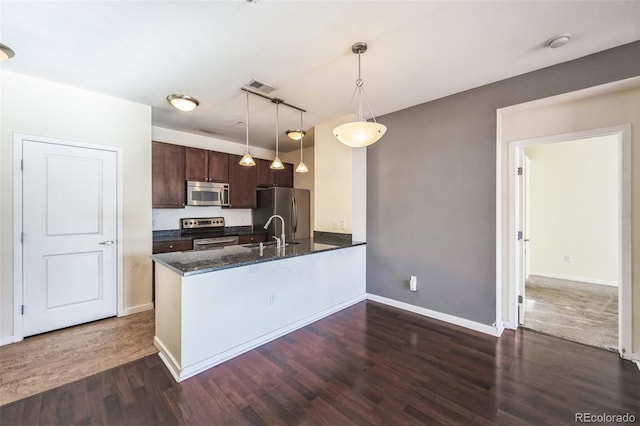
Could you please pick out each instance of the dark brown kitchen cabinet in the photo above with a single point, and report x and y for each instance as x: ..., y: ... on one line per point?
x: 284, y: 177
x: 252, y: 238
x: 169, y: 246
x: 218, y: 167
x: 242, y: 184
x: 266, y: 177
x: 204, y: 165
x: 167, y: 173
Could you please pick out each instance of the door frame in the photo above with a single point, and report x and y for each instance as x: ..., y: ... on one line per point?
x: 516, y: 154
x: 18, y: 140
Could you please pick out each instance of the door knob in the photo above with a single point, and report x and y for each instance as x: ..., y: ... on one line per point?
x: 106, y: 243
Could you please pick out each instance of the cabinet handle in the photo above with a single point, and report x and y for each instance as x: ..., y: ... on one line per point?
x: 171, y: 246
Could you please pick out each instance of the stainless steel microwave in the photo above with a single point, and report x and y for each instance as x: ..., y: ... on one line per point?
x: 207, y: 194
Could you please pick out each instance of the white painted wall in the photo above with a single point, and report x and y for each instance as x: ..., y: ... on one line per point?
x: 567, y: 114
x: 160, y: 134
x: 573, y: 210
x: 40, y: 107
x: 333, y: 180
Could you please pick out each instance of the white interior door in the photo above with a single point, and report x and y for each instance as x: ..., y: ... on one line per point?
x: 70, y: 229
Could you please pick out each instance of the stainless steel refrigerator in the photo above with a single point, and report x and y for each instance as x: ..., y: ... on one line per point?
x: 292, y: 204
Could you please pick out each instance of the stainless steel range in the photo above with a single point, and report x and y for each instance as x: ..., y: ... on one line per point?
x: 208, y: 233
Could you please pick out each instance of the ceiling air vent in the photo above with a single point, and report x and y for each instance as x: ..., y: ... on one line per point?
x: 259, y: 86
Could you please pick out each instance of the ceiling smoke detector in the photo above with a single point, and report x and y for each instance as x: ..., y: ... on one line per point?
x: 259, y: 86
x: 559, y: 40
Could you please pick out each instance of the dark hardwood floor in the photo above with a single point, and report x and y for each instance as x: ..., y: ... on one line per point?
x: 368, y: 364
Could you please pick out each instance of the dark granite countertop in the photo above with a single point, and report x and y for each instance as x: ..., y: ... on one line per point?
x: 187, y: 263
x: 178, y: 234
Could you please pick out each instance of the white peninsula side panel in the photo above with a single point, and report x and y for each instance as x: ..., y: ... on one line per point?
x: 203, y: 320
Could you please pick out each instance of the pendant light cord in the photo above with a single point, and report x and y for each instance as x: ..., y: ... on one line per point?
x: 361, y: 93
x: 277, y: 131
x: 247, y: 122
x: 301, y: 136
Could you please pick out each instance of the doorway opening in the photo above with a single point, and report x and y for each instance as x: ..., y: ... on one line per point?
x: 580, y: 266
x: 570, y: 240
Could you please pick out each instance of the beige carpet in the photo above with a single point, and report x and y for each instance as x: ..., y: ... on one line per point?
x: 576, y: 311
x: 48, y: 360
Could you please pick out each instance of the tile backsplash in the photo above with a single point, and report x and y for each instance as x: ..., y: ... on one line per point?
x: 165, y: 219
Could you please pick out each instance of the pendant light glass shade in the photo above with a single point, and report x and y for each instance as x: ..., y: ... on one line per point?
x: 302, y: 168
x: 360, y: 133
x: 247, y: 159
x: 277, y: 164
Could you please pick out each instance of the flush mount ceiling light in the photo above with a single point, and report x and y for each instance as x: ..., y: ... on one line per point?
x: 559, y: 40
x: 302, y: 168
x: 247, y: 159
x: 360, y: 133
x: 296, y: 134
x: 183, y: 102
x: 6, y: 52
x: 277, y: 164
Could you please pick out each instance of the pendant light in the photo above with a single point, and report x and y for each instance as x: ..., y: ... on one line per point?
x: 247, y: 159
x: 302, y: 168
x: 277, y: 164
x: 360, y: 133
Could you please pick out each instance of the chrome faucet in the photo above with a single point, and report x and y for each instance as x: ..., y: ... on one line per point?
x: 279, y: 241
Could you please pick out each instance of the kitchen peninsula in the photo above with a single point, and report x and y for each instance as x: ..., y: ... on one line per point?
x: 213, y: 305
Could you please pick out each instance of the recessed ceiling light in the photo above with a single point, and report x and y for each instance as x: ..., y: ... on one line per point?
x: 183, y: 102
x: 6, y: 52
x: 559, y: 40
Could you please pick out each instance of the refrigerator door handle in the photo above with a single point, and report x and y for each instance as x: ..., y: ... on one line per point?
x: 294, y: 204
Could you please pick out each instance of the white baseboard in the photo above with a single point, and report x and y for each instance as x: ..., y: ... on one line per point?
x: 181, y: 373
x: 7, y: 340
x: 482, y: 328
x: 574, y: 278
x: 167, y: 358
x: 509, y: 325
x: 136, y: 309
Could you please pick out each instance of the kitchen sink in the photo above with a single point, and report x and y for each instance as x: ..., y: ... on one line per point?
x: 268, y: 244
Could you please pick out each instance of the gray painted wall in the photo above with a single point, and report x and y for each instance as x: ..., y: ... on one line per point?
x: 431, y: 187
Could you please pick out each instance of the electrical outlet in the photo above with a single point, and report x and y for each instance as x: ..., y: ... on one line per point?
x: 568, y: 259
x: 341, y: 224
x: 413, y: 283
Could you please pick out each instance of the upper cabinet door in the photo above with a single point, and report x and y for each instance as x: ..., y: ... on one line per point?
x: 242, y: 184
x: 167, y: 174
x: 196, y: 164
x: 284, y: 177
x: 218, y: 167
x: 266, y: 177
x: 204, y: 165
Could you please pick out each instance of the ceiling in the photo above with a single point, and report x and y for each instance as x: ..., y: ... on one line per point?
x: 418, y: 51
